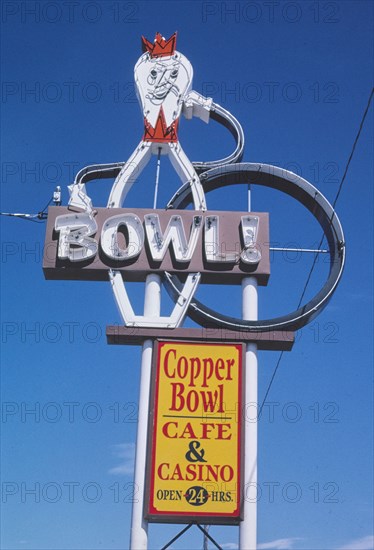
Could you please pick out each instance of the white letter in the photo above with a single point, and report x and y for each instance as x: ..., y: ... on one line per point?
x: 174, y: 233
x: 213, y: 246
x: 135, y: 237
x: 75, y: 242
x: 250, y: 254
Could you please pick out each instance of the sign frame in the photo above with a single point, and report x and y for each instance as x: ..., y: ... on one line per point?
x: 194, y: 516
x: 137, y: 266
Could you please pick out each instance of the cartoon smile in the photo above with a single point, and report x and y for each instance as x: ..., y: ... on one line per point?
x: 161, y: 80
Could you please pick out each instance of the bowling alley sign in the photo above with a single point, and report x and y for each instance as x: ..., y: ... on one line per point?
x: 195, y: 467
x: 195, y: 434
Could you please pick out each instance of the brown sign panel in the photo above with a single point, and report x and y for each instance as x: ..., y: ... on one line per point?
x: 194, y: 470
x: 271, y: 340
x: 217, y: 243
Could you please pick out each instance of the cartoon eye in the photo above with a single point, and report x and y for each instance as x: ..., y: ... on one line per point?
x: 174, y: 73
x: 152, y: 76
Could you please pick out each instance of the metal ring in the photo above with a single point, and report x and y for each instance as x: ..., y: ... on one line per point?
x: 306, y: 194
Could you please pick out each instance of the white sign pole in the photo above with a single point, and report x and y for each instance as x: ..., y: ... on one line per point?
x: 139, y: 526
x: 248, y: 527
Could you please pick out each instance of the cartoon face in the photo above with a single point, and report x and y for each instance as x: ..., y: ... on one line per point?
x: 162, y: 82
x: 162, y: 79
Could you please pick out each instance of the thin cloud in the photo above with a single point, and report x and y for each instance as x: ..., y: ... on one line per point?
x: 364, y: 543
x: 279, y: 544
x: 229, y: 546
x: 125, y: 451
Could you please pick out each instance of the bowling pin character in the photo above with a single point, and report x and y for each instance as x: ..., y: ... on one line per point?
x: 163, y: 78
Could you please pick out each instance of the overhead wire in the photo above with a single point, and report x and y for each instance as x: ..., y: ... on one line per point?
x: 321, y: 241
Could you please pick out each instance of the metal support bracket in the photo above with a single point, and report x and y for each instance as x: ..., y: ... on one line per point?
x: 174, y: 320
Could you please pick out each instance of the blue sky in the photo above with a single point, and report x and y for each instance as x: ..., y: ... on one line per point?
x: 298, y: 77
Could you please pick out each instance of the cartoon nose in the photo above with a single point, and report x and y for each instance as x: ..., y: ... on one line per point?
x: 161, y: 81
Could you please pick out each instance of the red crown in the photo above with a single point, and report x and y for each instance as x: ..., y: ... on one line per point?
x: 160, y: 47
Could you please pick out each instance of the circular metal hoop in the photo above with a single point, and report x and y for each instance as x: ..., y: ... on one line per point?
x: 305, y: 193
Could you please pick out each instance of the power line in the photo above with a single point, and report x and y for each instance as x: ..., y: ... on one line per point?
x: 353, y: 148
x: 323, y: 236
